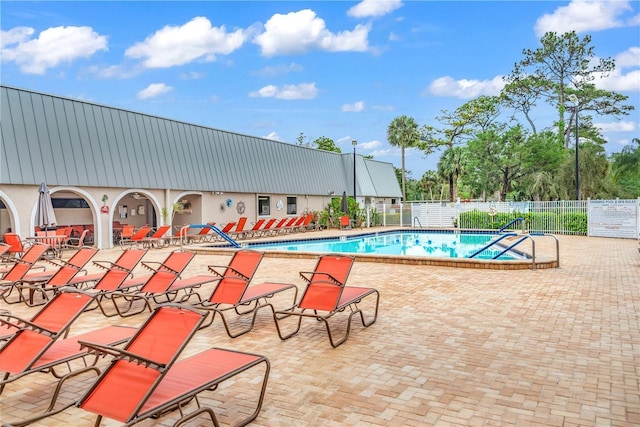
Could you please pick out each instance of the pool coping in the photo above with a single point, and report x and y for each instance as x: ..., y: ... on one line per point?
x: 520, y: 264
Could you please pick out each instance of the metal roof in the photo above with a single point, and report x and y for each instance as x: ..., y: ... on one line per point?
x: 63, y: 141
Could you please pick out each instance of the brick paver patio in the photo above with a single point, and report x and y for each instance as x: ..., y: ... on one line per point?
x: 553, y: 347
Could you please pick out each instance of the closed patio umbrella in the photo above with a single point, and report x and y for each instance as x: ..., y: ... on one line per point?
x: 45, y: 216
x: 344, y: 206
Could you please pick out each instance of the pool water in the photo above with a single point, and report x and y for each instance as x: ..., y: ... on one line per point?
x: 409, y: 243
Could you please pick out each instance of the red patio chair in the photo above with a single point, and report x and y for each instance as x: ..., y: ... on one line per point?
x: 239, y: 229
x: 266, y: 229
x: 254, y: 230
x: 38, y: 344
x: 326, y: 295
x: 279, y: 226
x: 123, y: 266
x: 137, y: 239
x: 157, y: 239
x: 233, y: 294
x: 150, y: 382
x: 20, y: 269
x: 49, y: 281
x: 151, y: 288
x: 17, y: 246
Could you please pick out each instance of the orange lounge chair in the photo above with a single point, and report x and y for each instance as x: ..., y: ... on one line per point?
x: 150, y: 288
x: 278, y: 227
x: 306, y: 225
x: 233, y: 293
x: 41, y: 344
x: 288, y: 226
x: 137, y: 238
x: 76, y: 242
x: 239, y: 230
x: 7, y: 326
x: 4, y: 251
x: 22, y: 266
x: 266, y: 229
x: 17, y: 246
x: 51, y: 280
x: 148, y: 380
x: 203, y: 235
x: 157, y: 239
x: 126, y: 262
x: 254, y: 230
x: 326, y: 295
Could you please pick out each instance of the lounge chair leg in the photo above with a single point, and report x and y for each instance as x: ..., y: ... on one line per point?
x: 197, y: 413
x: 277, y: 316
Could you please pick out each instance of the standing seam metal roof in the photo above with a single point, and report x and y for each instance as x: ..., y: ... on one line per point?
x: 62, y: 141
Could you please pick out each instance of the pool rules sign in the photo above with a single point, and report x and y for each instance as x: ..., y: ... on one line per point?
x: 614, y: 218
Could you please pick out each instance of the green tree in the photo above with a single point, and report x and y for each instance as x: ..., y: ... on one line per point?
x: 498, y: 158
x: 403, y: 132
x: 626, y: 169
x: 475, y: 116
x: 431, y: 183
x: 450, y: 167
x: 562, y: 65
x: 326, y: 144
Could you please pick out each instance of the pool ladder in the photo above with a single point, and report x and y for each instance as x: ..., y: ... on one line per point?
x: 522, y: 239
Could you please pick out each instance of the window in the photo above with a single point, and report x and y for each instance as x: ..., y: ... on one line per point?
x: 69, y: 203
x: 264, y: 205
x: 292, y: 205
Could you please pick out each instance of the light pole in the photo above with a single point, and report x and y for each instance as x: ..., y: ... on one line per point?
x: 354, y: 143
x: 574, y: 99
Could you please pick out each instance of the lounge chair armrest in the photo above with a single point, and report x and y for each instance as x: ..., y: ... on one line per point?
x: 212, y: 268
x: 8, y: 317
x: 22, y: 323
x: 103, y: 264
x: 103, y: 350
x: 308, y: 275
x: 147, y: 264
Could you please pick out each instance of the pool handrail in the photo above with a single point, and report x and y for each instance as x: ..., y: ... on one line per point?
x: 513, y: 221
x: 219, y: 232
x: 524, y: 237
x: 491, y: 243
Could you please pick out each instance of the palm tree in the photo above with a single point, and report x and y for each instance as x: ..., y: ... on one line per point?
x: 450, y: 166
x: 403, y: 132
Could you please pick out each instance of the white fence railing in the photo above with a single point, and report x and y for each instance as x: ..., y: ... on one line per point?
x: 609, y: 218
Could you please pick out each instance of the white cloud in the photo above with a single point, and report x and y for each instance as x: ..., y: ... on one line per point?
x: 367, y: 8
x: 465, y: 89
x: 287, y: 92
x: 628, y: 58
x: 383, y: 107
x: 178, y: 45
x: 618, y: 126
x: 356, y: 107
x: 300, y: 32
x: 192, y: 75
x: 276, y: 70
x: 618, y: 80
x: 582, y: 16
x: 154, y: 90
x: 53, y: 46
x: 371, y: 145
x: 273, y: 135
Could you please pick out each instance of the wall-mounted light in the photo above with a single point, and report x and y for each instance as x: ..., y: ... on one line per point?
x: 331, y: 193
x: 217, y: 193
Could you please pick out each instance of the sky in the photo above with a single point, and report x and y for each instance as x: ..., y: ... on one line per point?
x: 337, y: 69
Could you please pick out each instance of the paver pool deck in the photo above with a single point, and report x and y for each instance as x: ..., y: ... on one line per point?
x: 452, y: 346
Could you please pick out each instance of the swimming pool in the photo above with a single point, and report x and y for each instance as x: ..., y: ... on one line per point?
x: 442, y: 242
x: 400, y: 243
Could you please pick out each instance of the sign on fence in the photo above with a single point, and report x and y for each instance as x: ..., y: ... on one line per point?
x: 613, y: 218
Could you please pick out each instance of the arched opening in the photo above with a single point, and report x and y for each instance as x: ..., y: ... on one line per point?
x: 75, y: 209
